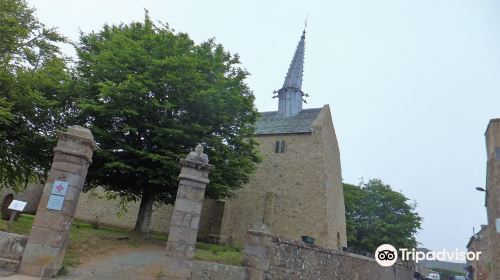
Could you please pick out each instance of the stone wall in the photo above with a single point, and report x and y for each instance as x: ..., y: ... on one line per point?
x: 492, y: 136
x: 298, y: 192
x: 206, y: 270
x: 335, y: 208
x: 11, y: 252
x: 479, y: 243
x: 30, y: 194
x: 94, y: 206
x: 297, y: 260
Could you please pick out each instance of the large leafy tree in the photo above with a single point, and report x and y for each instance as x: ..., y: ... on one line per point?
x: 33, y: 81
x: 376, y: 215
x: 149, y: 95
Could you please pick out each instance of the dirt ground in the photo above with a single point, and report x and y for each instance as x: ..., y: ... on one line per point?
x: 130, y: 263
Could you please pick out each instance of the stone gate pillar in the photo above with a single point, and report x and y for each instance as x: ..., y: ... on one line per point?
x: 256, y: 252
x: 49, y: 235
x: 186, y: 217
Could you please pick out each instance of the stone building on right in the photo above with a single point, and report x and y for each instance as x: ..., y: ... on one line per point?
x: 479, y: 269
x: 488, y: 239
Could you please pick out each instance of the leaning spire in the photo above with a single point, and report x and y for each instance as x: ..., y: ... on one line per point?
x: 290, y: 95
x: 296, y: 70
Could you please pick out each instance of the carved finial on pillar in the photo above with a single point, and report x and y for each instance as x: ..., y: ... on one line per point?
x: 196, y: 159
x: 198, y: 155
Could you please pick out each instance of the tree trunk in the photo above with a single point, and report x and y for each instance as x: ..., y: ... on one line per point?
x: 143, y: 223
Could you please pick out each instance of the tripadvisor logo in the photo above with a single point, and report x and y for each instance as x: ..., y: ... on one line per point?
x: 386, y: 255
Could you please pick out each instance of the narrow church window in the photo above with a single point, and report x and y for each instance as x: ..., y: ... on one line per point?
x: 280, y: 147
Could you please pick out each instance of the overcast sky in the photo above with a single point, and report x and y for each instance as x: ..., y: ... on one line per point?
x: 411, y: 84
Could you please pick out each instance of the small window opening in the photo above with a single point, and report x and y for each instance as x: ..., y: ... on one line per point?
x: 280, y: 147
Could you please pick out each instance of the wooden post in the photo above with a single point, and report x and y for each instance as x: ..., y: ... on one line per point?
x: 13, y: 214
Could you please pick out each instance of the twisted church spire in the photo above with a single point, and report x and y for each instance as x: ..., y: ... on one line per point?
x: 290, y: 95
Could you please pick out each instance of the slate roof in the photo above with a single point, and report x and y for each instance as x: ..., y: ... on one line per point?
x: 270, y: 123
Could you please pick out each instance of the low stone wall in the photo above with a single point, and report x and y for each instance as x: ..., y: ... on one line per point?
x: 11, y: 252
x: 206, y: 270
x: 298, y: 260
x: 12, y: 245
x: 94, y: 206
x: 271, y: 258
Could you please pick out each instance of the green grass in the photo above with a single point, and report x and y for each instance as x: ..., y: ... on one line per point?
x: 219, y: 254
x: 21, y: 226
x: 87, y: 241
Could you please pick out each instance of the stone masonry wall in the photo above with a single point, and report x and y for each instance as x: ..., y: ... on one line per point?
x: 295, y: 193
x: 93, y: 206
x: 479, y: 243
x: 31, y: 194
x: 207, y: 271
x: 332, y: 178
x: 292, y: 260
x: 11, y: 252
x: 492, y: 136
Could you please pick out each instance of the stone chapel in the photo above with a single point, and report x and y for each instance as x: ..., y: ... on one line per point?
x: 297, y: 188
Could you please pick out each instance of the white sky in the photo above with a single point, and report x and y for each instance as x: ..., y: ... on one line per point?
x: 411, y: 84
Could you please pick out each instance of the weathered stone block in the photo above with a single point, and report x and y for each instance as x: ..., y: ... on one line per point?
x: 66, y: 166
x: 214, y: 271
x: 193, y: 176
x: 255, y: 250
x: 62, y: 157
x: 254, y: 274
x: 40, y: 254
x: 75, y: 180
x: 182, y: 234
x: 44, y: 199
x: 260, y: 263
x: 258, y: 239
x: 175, y: 267
x: 40, y: 235
x: 52, y: 219
x: 195, y: 222
x: 12, y: 245
x: 191, y: 191
x: 69, y: 207
x: 8, y: 267
x: 180, y: 250
x: 183, y: 219
x: 189, y: 206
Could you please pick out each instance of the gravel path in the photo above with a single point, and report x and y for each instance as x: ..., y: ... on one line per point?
x: 123, y: 265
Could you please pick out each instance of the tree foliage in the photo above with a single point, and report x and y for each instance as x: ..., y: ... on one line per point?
x: 378, y: 215
x: 149, y: 95
x: 33, y: 80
